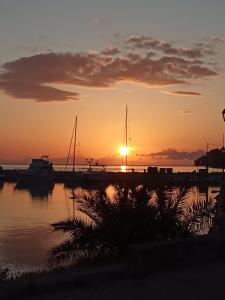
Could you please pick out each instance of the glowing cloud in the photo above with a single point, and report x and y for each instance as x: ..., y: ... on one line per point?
x: 184, y: 93
x: 175, y: 154
x: 35, y: 77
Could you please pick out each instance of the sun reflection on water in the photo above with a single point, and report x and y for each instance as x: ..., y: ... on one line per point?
x: 123, y: 169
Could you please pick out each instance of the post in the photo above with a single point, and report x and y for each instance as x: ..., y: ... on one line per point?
x: 220, y: 210
x: 207, y: 165
x: 126, y: 135
x: 223, y: 154
x: 75, y: 142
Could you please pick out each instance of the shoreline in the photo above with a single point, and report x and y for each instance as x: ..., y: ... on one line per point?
x: 151, y: 176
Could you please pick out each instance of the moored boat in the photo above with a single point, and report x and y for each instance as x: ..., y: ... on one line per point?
x: 40, y: 171
x: 2, y: 175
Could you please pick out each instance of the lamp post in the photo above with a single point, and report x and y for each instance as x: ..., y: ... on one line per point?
x: 221, y: 200
x: 223, y: 152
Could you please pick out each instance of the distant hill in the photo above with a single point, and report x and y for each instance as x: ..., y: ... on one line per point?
x: 213, y: 159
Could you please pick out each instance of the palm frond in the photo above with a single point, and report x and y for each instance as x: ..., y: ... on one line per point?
x: 71, y: 224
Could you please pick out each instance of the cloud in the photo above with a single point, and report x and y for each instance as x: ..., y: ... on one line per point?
x: 175, y: 154
x: 218, y: 39
x: 146, y: 42
x: 36, y: 77
x: 110, y: 51
x: 184, y: 93
x: 40, y: 93
x: 44, y: 38
x: 185, y: 112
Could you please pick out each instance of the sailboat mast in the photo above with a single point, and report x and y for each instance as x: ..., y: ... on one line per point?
x: 126, y: 133
x: 75, y: 143
x: 223, y: 158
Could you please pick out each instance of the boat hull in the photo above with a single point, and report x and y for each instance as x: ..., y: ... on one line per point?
x: 29, y: 178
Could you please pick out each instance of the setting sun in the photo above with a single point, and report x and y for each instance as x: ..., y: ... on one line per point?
x: 123, y: 150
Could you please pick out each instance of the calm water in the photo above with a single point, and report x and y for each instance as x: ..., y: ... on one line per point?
x: 25, y: 218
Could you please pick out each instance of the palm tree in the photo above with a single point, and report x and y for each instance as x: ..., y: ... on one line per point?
x: 132, y: 215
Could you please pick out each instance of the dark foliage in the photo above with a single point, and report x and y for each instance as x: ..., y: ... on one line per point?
x: 132, y: 215
x: 3, y: 273
x: 213, y: 159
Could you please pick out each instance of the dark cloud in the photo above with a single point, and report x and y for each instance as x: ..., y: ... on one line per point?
x: 146, y: 42
x: 110, y: 51
x: 185, y: 112
x: 184, y: 93
x: 44, y: 38
x: 36, y: 76
x: 175, y: 154
x: 218, y: 39
x: 40, y: 93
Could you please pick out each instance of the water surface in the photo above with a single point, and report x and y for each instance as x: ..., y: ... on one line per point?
x: 25, y: 217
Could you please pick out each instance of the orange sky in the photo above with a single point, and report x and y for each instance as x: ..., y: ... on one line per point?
x: 156, y: 122
x: 171, y: 77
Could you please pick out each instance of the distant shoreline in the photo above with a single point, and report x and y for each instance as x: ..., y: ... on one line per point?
x: 108, y: 165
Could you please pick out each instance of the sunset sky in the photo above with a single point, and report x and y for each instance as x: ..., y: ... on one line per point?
x: 165, y: 59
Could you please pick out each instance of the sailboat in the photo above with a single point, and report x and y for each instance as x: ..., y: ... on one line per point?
x: 126, y: 142
x: 74, y: 142
x: 72, y: 178
x: 124, y: 150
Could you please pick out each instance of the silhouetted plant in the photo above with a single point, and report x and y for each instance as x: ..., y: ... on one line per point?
x: 199, y: 216
x: 3, y: 273
x: 131, y: 215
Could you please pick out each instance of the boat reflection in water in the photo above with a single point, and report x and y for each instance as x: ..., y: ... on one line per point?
x: 1, y: 185
x: 40, y: 191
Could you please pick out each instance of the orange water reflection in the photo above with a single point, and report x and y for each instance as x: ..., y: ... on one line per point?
x: 26, y: 215
x: 123, y: 169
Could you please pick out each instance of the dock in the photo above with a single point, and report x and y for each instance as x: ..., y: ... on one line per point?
x: 151, y: 176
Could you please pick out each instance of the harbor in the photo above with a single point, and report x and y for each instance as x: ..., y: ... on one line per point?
x: 96, y: 174
x: 112, y: 156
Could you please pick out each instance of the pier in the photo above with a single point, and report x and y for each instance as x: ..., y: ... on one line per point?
x: 152, y: 175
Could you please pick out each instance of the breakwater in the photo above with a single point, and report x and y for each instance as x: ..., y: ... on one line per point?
x: 69, y: 177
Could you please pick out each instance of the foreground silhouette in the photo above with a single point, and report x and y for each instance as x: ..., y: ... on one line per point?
x: 3, y: 273
x: 215, y: 158
x: 133, y: 215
